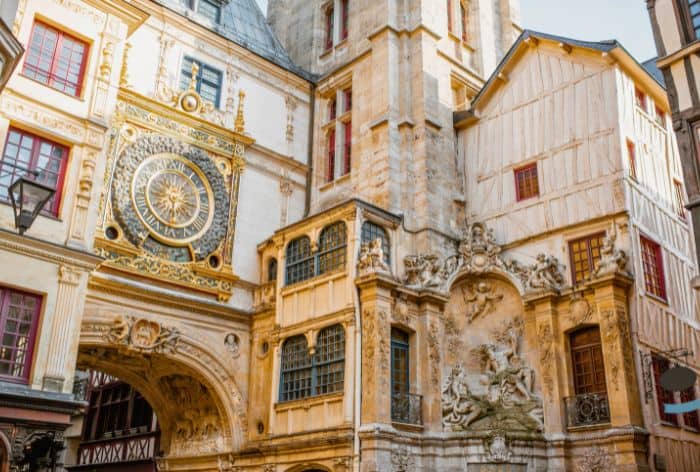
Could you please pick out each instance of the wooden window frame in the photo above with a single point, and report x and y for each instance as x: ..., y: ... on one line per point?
x: 330, y: 155
x: 679, y: 197
x: 344, y: 19
x: 338, y: 140
x: 517, y: 172
x: 659, y: 116
x: 31, y: 337
x: 332, y: 248
x: 640, y: 99
x: 52, y: 79
x: 52, y: 209
x: 591, y: 257
x: 597, y: 370
x: 691, y: 419
x: 329, y: 25
x: 663, y: 396
x: 653, y: 246
x: 464, y: 20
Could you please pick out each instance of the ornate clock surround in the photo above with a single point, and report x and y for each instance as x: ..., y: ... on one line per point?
x: 168, y: 208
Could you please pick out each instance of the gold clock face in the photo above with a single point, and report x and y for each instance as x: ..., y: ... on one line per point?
x: 172, y: 198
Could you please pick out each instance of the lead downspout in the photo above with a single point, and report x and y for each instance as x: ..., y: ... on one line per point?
x: 358, y: 356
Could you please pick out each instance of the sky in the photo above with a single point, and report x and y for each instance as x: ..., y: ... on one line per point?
x: 591, y: 20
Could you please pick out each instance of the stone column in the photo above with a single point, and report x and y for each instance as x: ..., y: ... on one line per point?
x: 63, y: 332
x: 376, y: 299
x: 542, y: 325
x: 431, y: 306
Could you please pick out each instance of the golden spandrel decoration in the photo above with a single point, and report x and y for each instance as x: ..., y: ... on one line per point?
x: 171, y: 195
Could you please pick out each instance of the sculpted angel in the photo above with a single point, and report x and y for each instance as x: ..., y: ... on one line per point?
x: 480, y: 301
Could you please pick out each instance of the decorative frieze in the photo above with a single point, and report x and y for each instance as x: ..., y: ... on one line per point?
x: 142, y: 335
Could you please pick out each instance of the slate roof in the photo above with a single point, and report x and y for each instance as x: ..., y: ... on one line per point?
x: 651, y: 67
x: 243, y: 22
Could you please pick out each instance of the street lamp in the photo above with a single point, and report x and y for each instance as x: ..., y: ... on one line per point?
x: 28, y: 199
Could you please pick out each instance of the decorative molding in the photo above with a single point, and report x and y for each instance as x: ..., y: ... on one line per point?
x: 107, y: 60
x: 68, y: 275
x: 481, y: 300
x: 124, y: 74
x: 434, y: 353
x: 508, y: 401
x: 545, y: 339
x: 580, y: 310
x: 291, y: 104
x: 401, y: 459
x: 371, y: 259
x: 142, y: 335
x: 497, y: 447
x: 232, y: 342
x: 596, y: 459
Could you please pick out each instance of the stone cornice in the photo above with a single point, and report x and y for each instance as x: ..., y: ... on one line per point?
x: 48, y: 251
x: 128, y: 13
x: 156, y: 295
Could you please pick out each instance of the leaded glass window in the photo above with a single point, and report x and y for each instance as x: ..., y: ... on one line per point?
x: 296, y: 369
x: 371, y: 232
x: 300, y: 261
x: 329, y: 360
x: 303, y: 375
x: 332, y: 247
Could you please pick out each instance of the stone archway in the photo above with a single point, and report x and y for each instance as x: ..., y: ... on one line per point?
x: 195, y: 397
x: 5, y: 451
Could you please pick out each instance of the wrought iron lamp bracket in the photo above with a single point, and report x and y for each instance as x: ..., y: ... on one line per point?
x: 647, y: 374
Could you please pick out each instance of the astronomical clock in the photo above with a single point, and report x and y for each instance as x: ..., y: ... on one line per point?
x: 169, y: 209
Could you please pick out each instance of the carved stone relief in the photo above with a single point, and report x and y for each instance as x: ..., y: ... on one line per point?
x: 480, y: 299
x: 545, y: 338
x: 142, y: 335
x: 233, y: 344
x: 371, y: 259
x: 580, y: 310
x: 478, y: 253
x: 503, y: 396
x: 497, y: 447
x: 612, y: 260
x: 401, y: 460
x: 434, y: 353
x: 596, y: 459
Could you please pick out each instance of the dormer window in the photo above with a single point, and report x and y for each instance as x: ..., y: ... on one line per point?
x: 210, y: 9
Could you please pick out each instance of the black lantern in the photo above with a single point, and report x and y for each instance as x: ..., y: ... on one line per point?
x: 28, y: 199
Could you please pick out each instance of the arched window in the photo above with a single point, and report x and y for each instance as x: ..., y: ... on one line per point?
x: 332, y: 246
x: 372, y: 231
x: 296, y: 369
x: 272, y: 270
x: 300, y: 261
x: 303, y: 375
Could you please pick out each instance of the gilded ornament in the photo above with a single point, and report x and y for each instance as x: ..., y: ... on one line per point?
x: 124, y: 75
x: 107, y: 59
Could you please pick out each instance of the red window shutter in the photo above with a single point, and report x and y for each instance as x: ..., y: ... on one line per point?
x: 330, y: 164
x: 348, y: 147
x: 345, y: 16
x: 690, y: 419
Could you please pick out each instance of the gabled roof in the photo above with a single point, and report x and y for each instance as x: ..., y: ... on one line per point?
x: 608, y: 46
x: 243, y: 23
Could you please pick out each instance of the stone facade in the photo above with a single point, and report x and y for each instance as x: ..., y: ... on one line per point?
x: 392, y: 305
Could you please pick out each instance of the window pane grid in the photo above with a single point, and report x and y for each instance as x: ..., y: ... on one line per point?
x: 55, y: 59
x: 587, y: 360
x: 663, y: 396
x: 695, y: 16
x: 19, y: 316
x: 25, y: 153
x: 304, y: 375
x: 208, y: 83
x: 332, y: 248
x: 209, y: 10
x: 527, y: 185
x: 690, y: 419
x: 653, y: 270
x: 585, y: 254
x: 680, y: 199
x: 300, y: 262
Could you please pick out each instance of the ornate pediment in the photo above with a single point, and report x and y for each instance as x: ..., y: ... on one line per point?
x: 479, y: 253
